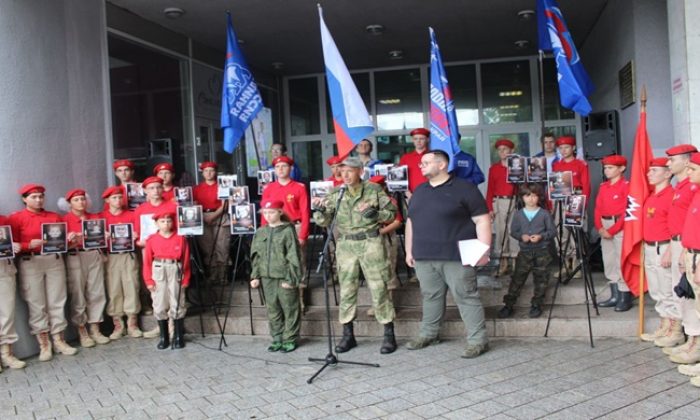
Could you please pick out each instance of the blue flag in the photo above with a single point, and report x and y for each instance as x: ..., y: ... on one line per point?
x: 240, y: 98
x: 554, y: 35
x: 444, y: 131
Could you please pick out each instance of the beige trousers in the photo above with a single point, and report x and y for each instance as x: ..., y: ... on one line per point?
x: 612, y: 253
x: 8, y: 289
x: 690, y: 274
x: 43, y: 287
x: 660, y: 282
x: 501, y: 224
x: 165, y: 297
x: 86, y: 287
x: 216, y: 252
x: 123, y: 283
x: 691, y: 320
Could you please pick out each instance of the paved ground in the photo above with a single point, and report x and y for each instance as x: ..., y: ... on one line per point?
x: 518, y: 378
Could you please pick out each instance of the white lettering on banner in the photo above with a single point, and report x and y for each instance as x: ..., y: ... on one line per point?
x: 437, y: 98
x: 246, y: 103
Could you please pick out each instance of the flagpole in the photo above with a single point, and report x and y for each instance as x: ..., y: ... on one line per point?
x: 640, y: 329
x: 542, y: 116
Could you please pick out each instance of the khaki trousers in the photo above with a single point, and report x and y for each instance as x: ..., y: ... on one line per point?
x: 8, y: 289
x: 612, y: 253
x: 123, y: 285
x: 691, y: 321
x: 43, y: 287
x: 86, y: 287
x: 692, y: 261
x: 501, y: 224
x: 165, y: 296
x: 660, y: 281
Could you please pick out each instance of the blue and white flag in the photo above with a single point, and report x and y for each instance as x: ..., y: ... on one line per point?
x: 240, y: 98
x: 444, y: 130
x: 554, y: 35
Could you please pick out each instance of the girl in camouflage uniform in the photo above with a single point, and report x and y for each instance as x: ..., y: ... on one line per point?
x: 276, y: 262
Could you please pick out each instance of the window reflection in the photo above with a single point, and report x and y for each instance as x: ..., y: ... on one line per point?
x: 303, y: 106
x: 521, y: 141
x: 463, y: 86
x: 506, y: 91
x: 391, y: 148
x: 398, y: 95
x: 307, y: 154
x: 552, y: 104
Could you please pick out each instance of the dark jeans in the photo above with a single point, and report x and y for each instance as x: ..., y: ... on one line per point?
x: 537, y: 262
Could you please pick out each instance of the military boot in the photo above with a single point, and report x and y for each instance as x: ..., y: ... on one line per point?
x: 614, y: 297
x: 348, y: 341
x: 164, y: 342
x: 60, y: 345
x: 85, y: 340
x: 673, y: 350
x: 389, y: 343
x: 45, y: 351
x: 179, y: 340
x: 133, y: 327
x: 690, y: 355
x: 9, y: 359
x: 689, y: 370
x: 118, y: 328
x: 624, y: 303
x: 96, y: 335
x: 673, y: 335
x: 660, y: 332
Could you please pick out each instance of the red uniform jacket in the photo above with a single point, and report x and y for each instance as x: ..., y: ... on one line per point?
x: 148, y: 208
x: 296, y: 203
x: 207, y: 196
x: 415, y: 176
x: 26, y: 225
x: 579, y: 172
x: 611, y: 201
x: 690, y: 238
x: 173, y: 248
x: 74, y: 224
x: 655, y: 214
x: 498, y: 184
x: 336, y: 182
x: 684, y: 192
x: 121, y: 218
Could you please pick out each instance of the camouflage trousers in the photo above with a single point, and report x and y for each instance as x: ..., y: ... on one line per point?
x: 391, y: 244
x: 370, y: 255
x: 537, y: 262
x: 282, y: 310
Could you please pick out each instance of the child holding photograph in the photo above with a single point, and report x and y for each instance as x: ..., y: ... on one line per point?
x: 533, y: 227
x: 276, y: 262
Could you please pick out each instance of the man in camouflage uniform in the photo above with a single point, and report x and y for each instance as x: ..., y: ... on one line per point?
x: 363, y: 209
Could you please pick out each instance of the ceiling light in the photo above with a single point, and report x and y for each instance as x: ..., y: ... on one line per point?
x: 277, y: 65
x: 374, y: 29
x: 521, y: 44
x: 395, y: 55
x: 511, y: 93
x: 526, y: 14
x: 173, y: 12
x: 392, y: 101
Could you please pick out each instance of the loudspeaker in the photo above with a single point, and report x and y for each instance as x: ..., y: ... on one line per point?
x: 601, y: 135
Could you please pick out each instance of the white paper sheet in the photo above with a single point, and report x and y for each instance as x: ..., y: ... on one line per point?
x: 471, y: 251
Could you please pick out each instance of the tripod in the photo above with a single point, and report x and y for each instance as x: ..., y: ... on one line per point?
x: 331, y: 358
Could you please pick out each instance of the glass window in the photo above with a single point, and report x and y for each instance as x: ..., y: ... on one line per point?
x: 566, y: 130
x: 468, y: 144
x: 362, y: 82
x: 391, y: 148
x: 308, y: 155
x: 399, y: 105
x: 521, y: 141
x: 303, y: 106
x: 552, y: 105
x: 506, y: 91
x: 463, y: 85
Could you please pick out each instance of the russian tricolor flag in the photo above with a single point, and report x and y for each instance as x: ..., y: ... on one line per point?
x: 350, y: 117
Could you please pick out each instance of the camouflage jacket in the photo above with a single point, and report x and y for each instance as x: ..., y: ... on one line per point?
x: 275, y: 254
x: 350, y: 220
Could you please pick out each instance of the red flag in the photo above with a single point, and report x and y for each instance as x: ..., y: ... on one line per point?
x: 634, y: 220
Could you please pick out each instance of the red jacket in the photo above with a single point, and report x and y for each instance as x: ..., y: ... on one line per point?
x: 173, y: 248
x: 415, y: 176
x: 611, y: 201
x: 498, y: 184
x: 26, y: 225
x: 296, y: 203
x: 579, y: 172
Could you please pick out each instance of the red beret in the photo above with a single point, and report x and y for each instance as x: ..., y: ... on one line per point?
x: 681, y: 149
x: 420, y: 131
x: 504, y: 142
x: 334, y: 160
x: 571, y: 141
x: 272, y: 204
x: 207, y: 164
x: 122, y: 162
x: 165, y: 166
x: 74, y: 193
x: 31, y: 188
x: 163, y: 214
x: 283, y: 159
x: 615, y: 160
x: 378, y: 179
x: 659, y: 161
x: 110, y: 191
x: 695, y: 158
x: 151, y: 180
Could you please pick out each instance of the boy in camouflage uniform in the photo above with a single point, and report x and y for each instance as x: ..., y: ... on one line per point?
x: 363, y: 209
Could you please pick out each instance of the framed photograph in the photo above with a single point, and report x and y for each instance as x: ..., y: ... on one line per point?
x: 6, y: 250
x: 264, y: 178
x: 515, y: 168
x: 55, y: 238
x: 121, y: 237
x: 148, y: 227
x: 190, y: 221
x: 397, y: 178
x: 94, y: 234
x: 574, y: 210
x: 320, y: 189
x: 537, y: 169
x: 381, y: 169
x: 183, y: 196
x: 561, y: 185
x: 239, y: 196
x: 225, y: 184
x: 243, y: 220
x: 135, y: 195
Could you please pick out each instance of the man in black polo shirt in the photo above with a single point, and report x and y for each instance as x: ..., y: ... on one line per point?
x: 442, y: 212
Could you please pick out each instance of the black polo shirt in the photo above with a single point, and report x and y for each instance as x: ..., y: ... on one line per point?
x: 442, y: 215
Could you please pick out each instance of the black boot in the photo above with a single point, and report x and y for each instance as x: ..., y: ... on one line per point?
x: 389, y: 343
x: 348, y: 340
x: 164, y: 342
x: 625, y: 302
x: 179, y: 339
x: 614, y: 297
